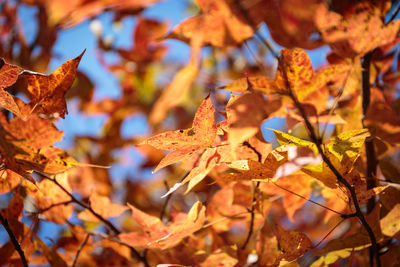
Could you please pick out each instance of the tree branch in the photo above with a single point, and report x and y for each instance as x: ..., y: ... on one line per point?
x: 372, y: 161
x: 318, y: 142
x: 80, y: 249
x: 253, y: 206
x: 14, y: 240
x: 98, y: 216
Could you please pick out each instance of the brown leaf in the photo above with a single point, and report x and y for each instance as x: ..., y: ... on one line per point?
x: 47, y: 91
x: 357, y: 31
x: 293, y: 244
x: 8, y: 76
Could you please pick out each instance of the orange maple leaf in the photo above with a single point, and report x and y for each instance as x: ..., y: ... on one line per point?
x: 154, y: 234
x: 47, y: 91
x: 359, y: 30
x: 103, y: 206
x: 186, y: 143
x: 306, y: 85
x: 8, y: 76
x: 219, y: 24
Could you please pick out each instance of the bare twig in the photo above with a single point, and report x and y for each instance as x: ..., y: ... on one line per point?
x: 167, y: 199
x: 54, y: 205
x: 330, y: 231
x: 80, y: 249
x: 394, y: 14
x: 318, y: 142
x: 98, y: 216
x: 14, y: 240
x: 309, y: 200
x: 253, y: 206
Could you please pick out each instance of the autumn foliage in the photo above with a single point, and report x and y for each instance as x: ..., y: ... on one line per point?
x: 220, y: 194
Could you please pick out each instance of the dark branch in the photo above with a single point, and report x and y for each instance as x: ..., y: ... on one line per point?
x: 372, y: 161
x: 14, y: 240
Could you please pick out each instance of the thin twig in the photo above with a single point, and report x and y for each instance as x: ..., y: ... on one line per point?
x: 80, y: 249
x: 309, y: 200
x: 333, y: 229
x: 253, y: 206
x: 394, y: 14
x: 318, y: 142
x: 223, y: 219
x: 98, y: 216
x: 14, y: 240
x: 53, y: 205
x: 165, y: 205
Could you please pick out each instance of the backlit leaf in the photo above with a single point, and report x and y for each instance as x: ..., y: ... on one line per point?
x: 357, y: 31
x: 103, y: 206
x: 186, y: 142
x: 154, y: 234
x: 8, y: 76
x: 47, y: 91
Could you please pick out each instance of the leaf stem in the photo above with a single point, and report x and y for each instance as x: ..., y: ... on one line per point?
x: 309, y: 200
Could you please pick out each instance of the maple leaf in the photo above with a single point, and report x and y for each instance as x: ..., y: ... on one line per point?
x: 26, y: 146
x: 145, y: 49
x: 342, y: 150
x: 229, y: 201
x: 291, y: 22
x: 304, y: 83
x: 244, y: 124
x: 299, y: 182
x: 383, y: 122
x: 8, y: 76
x: 154, y: 234
x: 357, y: 31
x: 47, y: 194
x: 185, y: 143
x: 293, y: 244
x: 47, y: 91
x: 390, y: 223
x: 102, y: 206
x: 220, y: 24
x: 69, y: 14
